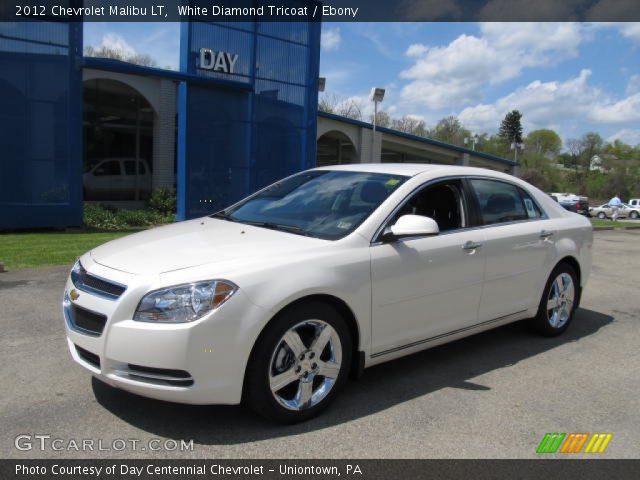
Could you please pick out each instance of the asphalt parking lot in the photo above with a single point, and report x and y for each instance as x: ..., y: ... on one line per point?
x: 493, y: 395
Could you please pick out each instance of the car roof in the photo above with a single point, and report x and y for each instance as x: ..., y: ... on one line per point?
x: 411, y: 169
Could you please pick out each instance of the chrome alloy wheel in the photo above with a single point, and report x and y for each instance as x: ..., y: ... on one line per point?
x: 305, y: 365
x: 560, y: 301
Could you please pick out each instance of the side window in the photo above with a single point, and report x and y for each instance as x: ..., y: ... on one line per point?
x: 129, y: 167
x: 502, y: 202
x: 442, y: 202
x: 111, y: 167
x: 533, y: 211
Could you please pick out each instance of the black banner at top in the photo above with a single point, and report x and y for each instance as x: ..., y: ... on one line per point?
x: 326, y: 11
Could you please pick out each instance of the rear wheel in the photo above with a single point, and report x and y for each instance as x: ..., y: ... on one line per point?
x: 299, y: 363
x: 558, y: 303
x: 634, y: 215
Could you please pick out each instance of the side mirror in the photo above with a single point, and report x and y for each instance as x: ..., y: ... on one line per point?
x: 412, y: 226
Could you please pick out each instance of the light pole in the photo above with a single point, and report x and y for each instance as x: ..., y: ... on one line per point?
x: 377, y: 95
x: 515, y: 146
x: 473, y: 139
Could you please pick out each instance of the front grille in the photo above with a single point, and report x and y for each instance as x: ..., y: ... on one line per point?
x: 91, y: 284
x: 178, y: 378
x: 87, y: 321
x: 90, y: 358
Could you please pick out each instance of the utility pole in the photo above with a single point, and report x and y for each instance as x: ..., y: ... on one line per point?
x: 377, y: 95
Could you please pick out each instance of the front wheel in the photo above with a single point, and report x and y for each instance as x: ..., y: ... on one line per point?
x: 602, y: 215
x: 299, y: 363
x: 558, y: 303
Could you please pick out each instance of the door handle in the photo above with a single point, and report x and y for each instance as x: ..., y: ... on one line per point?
x: 471, y: 245
x: 546, y: 233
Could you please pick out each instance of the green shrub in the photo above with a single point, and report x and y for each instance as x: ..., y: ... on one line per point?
x: 135, y: 218
x: 100, y: 217
x: 163, y: 201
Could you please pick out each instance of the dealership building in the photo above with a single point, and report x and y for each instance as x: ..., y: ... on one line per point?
x: 240, y: 113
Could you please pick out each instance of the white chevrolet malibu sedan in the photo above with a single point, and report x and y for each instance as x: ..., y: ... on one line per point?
x: 277, y: 299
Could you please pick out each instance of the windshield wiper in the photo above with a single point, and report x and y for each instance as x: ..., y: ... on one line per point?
x: 279, y: 226
x: 222, y: 215
x: 273, y: 226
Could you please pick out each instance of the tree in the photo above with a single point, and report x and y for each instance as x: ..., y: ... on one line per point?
x: 582, y: 150
x: 493, y: 145
x: 450, y: 130
x: 537, y: 177
x: 591, y: 145
x: 345, y: 107
x: 383, y: 119
x: 409, y: 124
x: 620, y: 150
x: 544, y: 142
x: 116, y: 54
x: 326, y: 105
x: 574, y: 146
x: 511, y: 128
x: 350, y: 108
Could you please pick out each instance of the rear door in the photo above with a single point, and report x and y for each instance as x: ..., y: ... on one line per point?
x: 518, y: 246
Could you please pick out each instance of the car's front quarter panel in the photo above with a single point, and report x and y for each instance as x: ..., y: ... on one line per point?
x: 212, y: 349
x: 340, y: 269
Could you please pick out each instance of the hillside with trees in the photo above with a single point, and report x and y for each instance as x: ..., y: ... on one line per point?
x: 587, y: 165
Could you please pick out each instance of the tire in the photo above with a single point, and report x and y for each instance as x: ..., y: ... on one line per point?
x: 602, y: 215
x: 296, y: 378
x: 551, y: 322
x: 634, y: 215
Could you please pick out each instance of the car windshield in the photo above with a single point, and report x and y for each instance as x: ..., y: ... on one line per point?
x: 326, y: 204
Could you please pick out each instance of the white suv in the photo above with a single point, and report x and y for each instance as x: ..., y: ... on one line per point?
x: 115, y: 178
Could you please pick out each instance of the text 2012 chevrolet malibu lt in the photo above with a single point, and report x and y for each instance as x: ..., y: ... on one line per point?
x: 276, y: 299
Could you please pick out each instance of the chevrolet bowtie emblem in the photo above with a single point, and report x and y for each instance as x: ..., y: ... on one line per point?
x: 74, y: 294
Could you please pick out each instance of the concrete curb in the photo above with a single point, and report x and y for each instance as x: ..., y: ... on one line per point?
x: 631, y: 227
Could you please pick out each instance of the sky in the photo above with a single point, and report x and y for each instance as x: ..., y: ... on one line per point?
x: 571, y: 77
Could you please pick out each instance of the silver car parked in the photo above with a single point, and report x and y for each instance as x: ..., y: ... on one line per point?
x: 625, y: 211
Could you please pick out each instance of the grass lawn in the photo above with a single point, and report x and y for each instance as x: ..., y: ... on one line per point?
x: 596, y: 222
x: 25, y: 250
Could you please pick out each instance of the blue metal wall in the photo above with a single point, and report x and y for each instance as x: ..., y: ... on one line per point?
x: 239, y: 132
x: 40, y: 125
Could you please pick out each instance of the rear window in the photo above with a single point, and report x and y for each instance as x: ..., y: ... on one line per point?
x: 502, y: 202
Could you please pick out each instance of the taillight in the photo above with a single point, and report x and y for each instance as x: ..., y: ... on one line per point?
x: 578, y: 205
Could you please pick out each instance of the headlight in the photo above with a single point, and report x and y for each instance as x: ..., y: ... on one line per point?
x: 77, y: 269
x: 184, y: 303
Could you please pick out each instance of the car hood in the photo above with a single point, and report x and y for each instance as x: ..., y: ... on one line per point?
x: 198, y: 242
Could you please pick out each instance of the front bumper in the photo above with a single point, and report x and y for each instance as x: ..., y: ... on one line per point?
x: 201, y: 362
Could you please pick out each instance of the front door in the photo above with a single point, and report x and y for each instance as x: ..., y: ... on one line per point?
x: 425, y: 287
